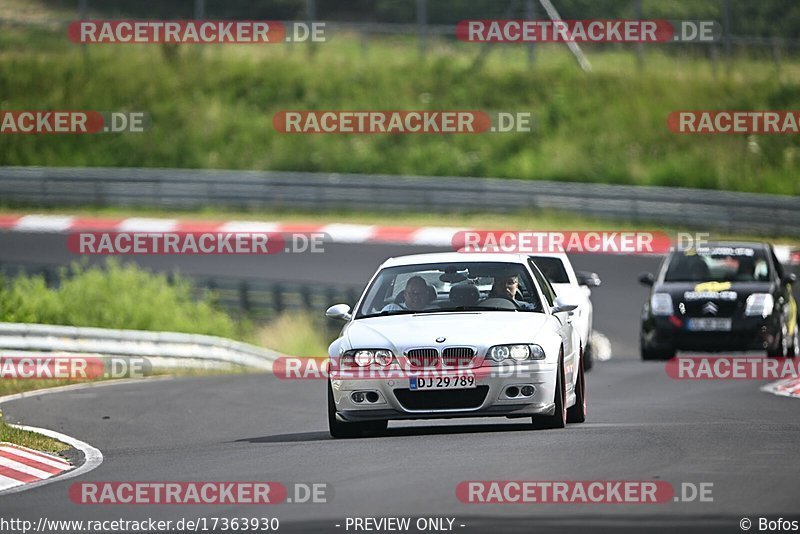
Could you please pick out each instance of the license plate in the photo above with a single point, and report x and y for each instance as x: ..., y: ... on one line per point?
x: 418, y: 383
x: 709, y: 324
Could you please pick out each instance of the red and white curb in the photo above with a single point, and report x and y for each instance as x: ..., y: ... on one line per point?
x: 438, y: 236
x: 21, y: 465
x: 92, y: 457
x: 784, y: 388
x: 338, y: 232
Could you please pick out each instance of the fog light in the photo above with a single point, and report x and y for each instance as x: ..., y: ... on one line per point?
x: 527, y: 390
x: 372, y: 396
x: 358, y: 397
x: 512, y: 391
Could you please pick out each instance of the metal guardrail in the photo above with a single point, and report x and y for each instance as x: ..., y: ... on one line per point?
x: 111, y: 342
x: 190, y: 189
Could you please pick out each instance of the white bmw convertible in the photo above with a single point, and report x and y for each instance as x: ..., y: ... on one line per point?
x: 455, y: 335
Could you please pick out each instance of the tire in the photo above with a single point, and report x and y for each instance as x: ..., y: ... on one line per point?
x: 342, y: 430
x: 559, y: 417
x: 577, y: 412
x: 649, y: 353
x: 781, y: 349
x: 588, y: 356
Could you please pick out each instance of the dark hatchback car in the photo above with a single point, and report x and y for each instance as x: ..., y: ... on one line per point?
x: 720, y: 297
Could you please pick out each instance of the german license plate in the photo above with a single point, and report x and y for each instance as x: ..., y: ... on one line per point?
x: 709, y: 324
x: 463, y: 381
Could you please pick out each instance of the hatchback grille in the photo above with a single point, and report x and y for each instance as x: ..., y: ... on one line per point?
x: 423, y: 357
x: 457, y: 356
x: 722, y: 308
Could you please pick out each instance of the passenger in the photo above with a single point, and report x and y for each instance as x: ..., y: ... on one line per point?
x: 416, y: 294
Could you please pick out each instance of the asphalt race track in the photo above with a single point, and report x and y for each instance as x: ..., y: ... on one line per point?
x: 642, y: 425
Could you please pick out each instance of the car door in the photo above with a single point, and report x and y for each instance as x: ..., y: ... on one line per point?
x: 565, y: 330
x: 784, y: 296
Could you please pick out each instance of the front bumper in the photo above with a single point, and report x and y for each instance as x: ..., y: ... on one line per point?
x: 489, y: 398
x: 746, y: 333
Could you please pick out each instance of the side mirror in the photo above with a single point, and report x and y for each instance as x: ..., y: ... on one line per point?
x: 563, y: 305
x: 790, y: 278
x: 587, y: 279
x: 340, y: 312
x: 647, y: 279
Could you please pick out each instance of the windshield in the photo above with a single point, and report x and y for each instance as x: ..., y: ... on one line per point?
x: 448, y: 287
x: 723, y: 264
x: 552, y: 268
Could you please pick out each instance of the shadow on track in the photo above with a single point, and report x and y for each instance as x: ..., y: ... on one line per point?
x: 396, y: 432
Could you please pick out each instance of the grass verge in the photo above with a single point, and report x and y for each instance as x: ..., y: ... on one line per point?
x: 33, y: 440
x: 212, y: 108
x: 299, y: 334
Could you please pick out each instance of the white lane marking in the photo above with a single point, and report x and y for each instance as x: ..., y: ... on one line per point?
x: 349, y: 233
x: 42, y: 458
x: 22, y: 468
x: 6, y: 483
x: 143, y: 224
x: 73, y: 387
x: 44, y: 223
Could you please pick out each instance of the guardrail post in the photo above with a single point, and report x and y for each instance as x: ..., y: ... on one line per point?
x: 277, y: 298
x: 305, y: 293
x: 244, y: 296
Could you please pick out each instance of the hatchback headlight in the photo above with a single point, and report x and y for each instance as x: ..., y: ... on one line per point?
x: 661, y: 304
x: 518, y: 352
x: 759, y: 304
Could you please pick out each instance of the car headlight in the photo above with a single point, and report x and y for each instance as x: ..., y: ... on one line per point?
x: 383, y: 357
x: 363, y: 358
x: 518, y: 352
x: 367, y: 357
x: 661, y: 304
x: 759, y: 304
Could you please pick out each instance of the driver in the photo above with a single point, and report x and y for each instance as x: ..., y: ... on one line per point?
x: 416, y: 296
x: 506, y: 287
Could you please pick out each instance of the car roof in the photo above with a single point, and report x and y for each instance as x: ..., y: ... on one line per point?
x: 455, y: 257
x: 559, y: 255
x: 745, y: 244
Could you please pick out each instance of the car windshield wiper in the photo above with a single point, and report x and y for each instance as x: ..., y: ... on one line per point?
x: 389, y: 312
x: 472, y: 308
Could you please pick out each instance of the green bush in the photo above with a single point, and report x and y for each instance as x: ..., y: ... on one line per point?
x: 115, y: 296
